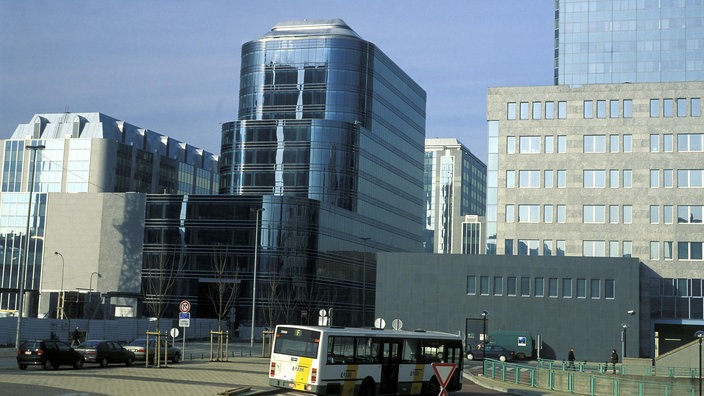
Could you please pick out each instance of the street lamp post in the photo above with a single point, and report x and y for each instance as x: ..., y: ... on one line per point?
x: 254, y: 276
x: 60, y: 309
x: 364, y: 279
x: 90, y: 292
x: 484, y: 315
x: 699, y: 334
x: 21, y: 273
x: 623, y: 339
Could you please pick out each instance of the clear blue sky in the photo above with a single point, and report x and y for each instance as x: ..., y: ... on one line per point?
x: 173, y: 66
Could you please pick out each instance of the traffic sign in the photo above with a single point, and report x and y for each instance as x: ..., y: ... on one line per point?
x: 184, y: 315
x: 443, y: 372
x: 173, y: 332
x: 184, y: 306
x: 184, y: 323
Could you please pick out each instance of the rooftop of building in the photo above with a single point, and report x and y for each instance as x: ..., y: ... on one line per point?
x: 320, y: 27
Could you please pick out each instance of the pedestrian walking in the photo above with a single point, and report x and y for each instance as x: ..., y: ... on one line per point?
x: 570, y: 358
x: 614, y: 359
x: 76, y: 337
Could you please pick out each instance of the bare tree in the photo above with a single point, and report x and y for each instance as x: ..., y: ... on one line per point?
x: 224, y: 288
x: 160, y: 274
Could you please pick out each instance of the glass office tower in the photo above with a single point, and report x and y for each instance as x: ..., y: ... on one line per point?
x: 329, y: 143
x: 607, y: 41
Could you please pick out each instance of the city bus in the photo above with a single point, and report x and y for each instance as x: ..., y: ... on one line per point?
x: 362, y: 361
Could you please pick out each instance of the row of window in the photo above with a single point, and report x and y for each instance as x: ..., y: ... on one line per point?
x: 596, y: 178
x: 686, y: 142
x: 686, y: 214
x: 666, y: 107
x: 686, y: 251
x: 597, y: 214
x: 539, y: 286
x: 683, y: 142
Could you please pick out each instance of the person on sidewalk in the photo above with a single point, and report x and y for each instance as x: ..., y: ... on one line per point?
x: 570, y: 358
x: 614, y: 359
x: 76, y: 337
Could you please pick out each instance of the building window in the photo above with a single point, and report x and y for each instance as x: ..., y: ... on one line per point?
x: 654, y: 178
x: 549, y: 144
x: 471, y: 284
x: 627, y: 178
x: 695, y: 108
x: 529, y: 179
x: 560, y: 248
x: 613, y: 249
x: 552, y: 287
x: 561, y: 179
x: 547, y: 213
x: 524, y: 111
x: 511, y: 110
x: 613, y: 143
x: 594, y: 248
x: 594, y: 179
x: 510, y: 213
x: 613, y: 108
x: 689, y: 251
x: 689, y: 214
x: 596, y: 288
x: 667, y: 214
x: 561, y: 110
x: 581, y: 288
x: 627, y: 248
x: 681, y: 107
x: 539, y: 286
x: 537, y: 110
x: 588, y: 109
x: 510, y: 144
x: 529, y: 213
x: 667, y: 250
x: 525, y: 286
x: 654, y: 214
x: 510, y: 179
x: 667, y: 109
x: 547, y: 248
x: 613, y: 214
x: 613, y: 178
x: 627, y: 143
x: 530, y: 144
x: 594, y: 214
x: 511, y: 286
x: 561, y: 213
x: 566, y: 287
x: 654, y: 140
x: 627, y: 108
x: 609, y: 289
x: 667, y: 179
x: 667, y: 145
x: 561, y: 144
x: 594, y: 144
x: 690, y: 178
x: 627, y: 214
x: 690, y: 142
x: 528, y: 247
x: 548, y: 176
x: 654, y: 250
x: 600, y: 109
x: 654, y: 108
x: 498, y: 286
x: 508, y: 247
x: 549, y: 110
x: 484, y: 285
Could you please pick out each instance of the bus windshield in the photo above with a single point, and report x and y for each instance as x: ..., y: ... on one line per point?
x: 297, y: 342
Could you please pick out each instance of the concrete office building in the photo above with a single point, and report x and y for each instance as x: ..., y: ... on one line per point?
x: 617, y: 41
x: 323, y: 166
x: 611, y: 170
x: 455, y: 186
x: 97, y: 237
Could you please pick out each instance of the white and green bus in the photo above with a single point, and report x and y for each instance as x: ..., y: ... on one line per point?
x: 361, y: 361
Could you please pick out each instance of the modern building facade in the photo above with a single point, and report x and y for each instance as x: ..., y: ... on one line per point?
x: 611, y: 170
x: 607, y: 41
x: 77, y: 157
x: 454, y: 185
x: 323, y: 166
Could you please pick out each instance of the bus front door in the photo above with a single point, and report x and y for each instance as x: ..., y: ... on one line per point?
x: 391, y: 358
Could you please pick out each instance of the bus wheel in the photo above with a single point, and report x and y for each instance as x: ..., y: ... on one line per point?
x: 433, y: 388
x: 367, y: 387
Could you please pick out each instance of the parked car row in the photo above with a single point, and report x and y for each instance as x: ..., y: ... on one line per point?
x: 51, y: 354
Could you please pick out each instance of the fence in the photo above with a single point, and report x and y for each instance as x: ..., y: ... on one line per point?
x: 588, y: 379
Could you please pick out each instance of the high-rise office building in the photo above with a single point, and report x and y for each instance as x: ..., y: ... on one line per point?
x: 455, y: 186
x: 78, y: 157
x: 323, y: 166
x: 607, y: 41
x: 611, y: 170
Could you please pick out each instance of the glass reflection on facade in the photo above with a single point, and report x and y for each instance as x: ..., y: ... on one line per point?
x: 606, y: 41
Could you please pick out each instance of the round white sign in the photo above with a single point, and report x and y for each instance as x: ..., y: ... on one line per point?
x: 174, y: 332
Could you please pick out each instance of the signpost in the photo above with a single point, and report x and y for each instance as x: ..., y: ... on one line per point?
x: 443, y: 372
x: 184, y: 320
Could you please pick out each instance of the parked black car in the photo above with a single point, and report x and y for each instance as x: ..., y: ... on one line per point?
x: 48, y: 353
x: 492, y: 352
x: 105, y: 352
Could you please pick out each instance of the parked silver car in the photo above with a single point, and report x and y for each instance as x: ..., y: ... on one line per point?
x: 139, y: 347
